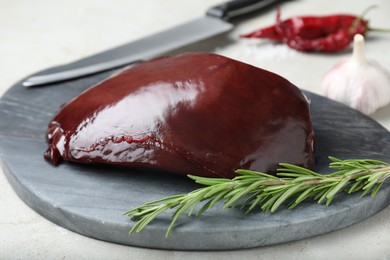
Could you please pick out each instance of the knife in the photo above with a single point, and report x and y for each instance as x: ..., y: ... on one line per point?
x: 216, y: 21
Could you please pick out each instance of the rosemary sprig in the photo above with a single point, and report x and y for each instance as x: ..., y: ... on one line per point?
x: 251, y: 189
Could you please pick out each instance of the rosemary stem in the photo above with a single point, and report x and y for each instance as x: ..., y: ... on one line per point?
x: 278, y: 182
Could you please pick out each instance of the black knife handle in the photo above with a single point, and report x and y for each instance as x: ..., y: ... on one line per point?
x: 236, y: 8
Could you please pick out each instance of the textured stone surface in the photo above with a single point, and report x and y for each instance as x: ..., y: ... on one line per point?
x: 91, y: 199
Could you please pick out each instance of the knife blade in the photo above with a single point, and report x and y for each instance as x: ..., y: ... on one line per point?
x: 216, y: 21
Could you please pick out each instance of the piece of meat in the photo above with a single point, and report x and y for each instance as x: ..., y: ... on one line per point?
x: 196, y: 113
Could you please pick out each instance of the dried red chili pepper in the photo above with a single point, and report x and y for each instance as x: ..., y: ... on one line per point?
x: 314, y: 33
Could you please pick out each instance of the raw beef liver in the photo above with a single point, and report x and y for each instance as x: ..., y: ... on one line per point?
x: 196, y: 113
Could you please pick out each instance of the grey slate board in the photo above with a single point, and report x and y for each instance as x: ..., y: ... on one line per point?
x: 91, y: 200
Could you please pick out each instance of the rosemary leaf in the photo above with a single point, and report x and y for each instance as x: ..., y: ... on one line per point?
x: 308, y: 192
x: 337, y: 188
x: 376, y: 189
x: 257, y: 201
x: 287, y: 194
x: 268, y: 204
x: 297, y: 169
x: 358, y: 185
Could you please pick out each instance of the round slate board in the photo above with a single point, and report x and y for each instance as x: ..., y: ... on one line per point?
x: 91, y: 200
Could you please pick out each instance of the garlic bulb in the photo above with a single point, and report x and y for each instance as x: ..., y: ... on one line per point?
x: 358, y: 82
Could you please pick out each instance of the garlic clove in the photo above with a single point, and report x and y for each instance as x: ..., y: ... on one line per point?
x: 358, y: 82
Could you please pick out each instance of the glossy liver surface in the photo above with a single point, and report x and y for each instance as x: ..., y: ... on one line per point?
x: 195, y: 113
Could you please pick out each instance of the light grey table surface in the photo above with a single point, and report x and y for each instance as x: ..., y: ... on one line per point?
x: 40, y: 34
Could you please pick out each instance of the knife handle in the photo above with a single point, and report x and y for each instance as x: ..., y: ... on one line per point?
x: 236, y: 8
